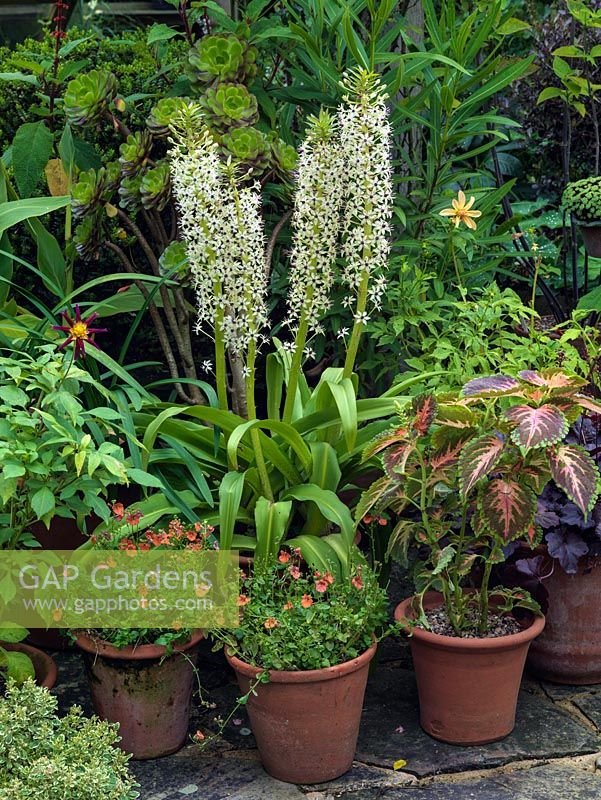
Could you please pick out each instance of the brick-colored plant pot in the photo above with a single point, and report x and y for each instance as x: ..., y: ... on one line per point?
x: 569, y: 650
x: 45, y: 668
x: 147, y: 694
x: 306, y: 723
x: 468, y: 688
x: 591, y: 235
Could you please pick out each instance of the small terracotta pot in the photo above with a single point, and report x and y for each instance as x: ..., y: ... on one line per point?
x: 307, y: 723
x: 569, y: 650
x: 591, y: 235
x: 45, y: 668
x: 468, y: 688
x: 147, y: 694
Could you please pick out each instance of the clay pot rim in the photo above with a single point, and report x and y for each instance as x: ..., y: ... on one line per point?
x: 491, y: 644
x: 308, y: 675
x: 98, y: 647
x: 47, y: 675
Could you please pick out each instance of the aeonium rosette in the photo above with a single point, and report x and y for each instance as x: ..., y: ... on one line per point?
x: 463, y: 473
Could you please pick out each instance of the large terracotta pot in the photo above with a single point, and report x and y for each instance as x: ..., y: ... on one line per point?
x: 146, y: 693
x: 569, y: 650
x: 45, y: 668
x: 468, y: 688
x: 306, y: 723
x: 591, y: 235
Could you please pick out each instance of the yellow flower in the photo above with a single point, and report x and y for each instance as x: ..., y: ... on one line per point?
x: 534, y: 247
x: 462, y: 211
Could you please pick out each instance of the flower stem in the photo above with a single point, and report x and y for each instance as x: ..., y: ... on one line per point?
x: 220, y: 370
x: 296, y: 363
x: 353, y: 347
x: 252, y: 414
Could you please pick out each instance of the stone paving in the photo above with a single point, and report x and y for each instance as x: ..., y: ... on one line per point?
x: 551, y: 755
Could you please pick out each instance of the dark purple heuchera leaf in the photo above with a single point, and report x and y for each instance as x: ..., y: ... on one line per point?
x: 490, y: 386
x: 547, y: 519
x: 537, y: 567
x: 571, y: 515
x: 568, y: 548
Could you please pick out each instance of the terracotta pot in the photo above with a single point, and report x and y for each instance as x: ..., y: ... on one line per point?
x: 591, y: 235
x: 147, y: 694
x: 45, y: 668
x: 569, y: 650
x: 468, y: 688
x: 307, y: 723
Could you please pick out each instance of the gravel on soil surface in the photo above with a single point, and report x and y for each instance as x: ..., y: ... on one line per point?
x: 498, y: 624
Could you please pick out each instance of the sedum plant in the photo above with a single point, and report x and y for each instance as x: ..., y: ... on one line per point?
x: 463, y: 474
x: 583, y: 199
x: 47, y: 757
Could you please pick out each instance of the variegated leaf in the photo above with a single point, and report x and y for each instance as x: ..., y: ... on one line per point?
x: 448, y: 453
x: 379, y: 491
x: 477, y: 459
x: 456, y: 416
x: 588, y: 403
x: 384, y: 440
x: 395, y: 458
x: 401, y: 537
x: 425, y: 410
x: 490, y: 386
x: 536, y: 470
x: 537, y: 427
x: 575, y: 472
x: 552, y: 379
x: 507, y: 508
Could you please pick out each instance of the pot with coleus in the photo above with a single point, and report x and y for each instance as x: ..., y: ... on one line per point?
x: 463, y: 473
x: 301, y: 655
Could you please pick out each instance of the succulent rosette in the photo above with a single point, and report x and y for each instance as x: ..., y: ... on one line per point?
x: 221, y: 57
x: 155, y: 187
x: 248, y: 146
x: 88, y: 95
x: 134, y: 152
x: 160, y: 116
x: 229, y: 105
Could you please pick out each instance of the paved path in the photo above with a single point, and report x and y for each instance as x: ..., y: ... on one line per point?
x: 551, y: 755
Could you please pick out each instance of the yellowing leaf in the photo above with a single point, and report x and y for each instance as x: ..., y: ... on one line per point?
x: 56, y: 178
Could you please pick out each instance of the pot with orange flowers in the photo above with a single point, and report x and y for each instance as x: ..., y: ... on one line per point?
x: 463, y: 474
x: 142, y: 678
x: 301, y: 655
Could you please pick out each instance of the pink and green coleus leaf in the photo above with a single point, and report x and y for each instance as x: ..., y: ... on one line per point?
x: 588, y: 403
x: 537, y: 427
x: 507, y: 508
x: 491, y: 386
x: 477, y: 460
x: 384, y: 440
x: 425, y: 410
x: 377, y: 495
x: 395, y: 458
x: 575, y: 472
x: 552, y: 379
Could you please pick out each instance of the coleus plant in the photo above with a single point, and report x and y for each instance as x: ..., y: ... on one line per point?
x: 463, y: 473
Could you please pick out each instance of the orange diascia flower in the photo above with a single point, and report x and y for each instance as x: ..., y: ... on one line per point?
x: 271, y: 622
x: 118, y: 510
x: 199, y: 736
x: 284, y: 557
x: 294, y: 572
x: 288, y: 606
x: 357, y: 582
x: 328, y: 577
x: 462, y: 211
x: 306, y: 601
x: 321, y: 585
x: 243, y: 600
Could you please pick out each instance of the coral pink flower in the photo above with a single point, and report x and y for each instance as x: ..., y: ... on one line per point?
x: 294, y: 572
x: 284, y: 557
x: 321, y: 585
x: 243, y: 600
x: 118, y: 510
x: 306, y: 601
x: 357, y: 582
x: 288, y: 606
x: 271, y: 622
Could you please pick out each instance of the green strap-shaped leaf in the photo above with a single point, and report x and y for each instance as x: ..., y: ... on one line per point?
x: 271, y: 521
x: 290, y: 436
x: 19, y: 210
x: 330, y: 506
x: 230, y: 496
